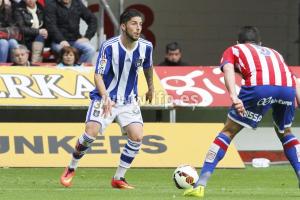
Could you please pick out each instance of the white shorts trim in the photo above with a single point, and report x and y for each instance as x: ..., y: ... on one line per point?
x: 285, y: 126
x: 239, y: 122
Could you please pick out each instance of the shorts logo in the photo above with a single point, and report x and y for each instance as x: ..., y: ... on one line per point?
x: 102, y: 64
x: 136, y: 110
x: 96, y: 113
x: 97, y: 104
x: 252, y: 116
x: 270, y: 100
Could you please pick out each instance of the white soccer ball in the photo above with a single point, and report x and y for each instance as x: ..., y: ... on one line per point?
x: 185, y: 176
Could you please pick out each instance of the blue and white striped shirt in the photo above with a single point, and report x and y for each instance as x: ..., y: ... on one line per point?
x: 119, y: 68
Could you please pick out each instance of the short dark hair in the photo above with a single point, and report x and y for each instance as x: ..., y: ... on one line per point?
x: 128, y: 14
x: 172, y: 47
x: 249, y: 34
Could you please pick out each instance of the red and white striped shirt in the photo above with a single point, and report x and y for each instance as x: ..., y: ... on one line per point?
x: 258, y: 65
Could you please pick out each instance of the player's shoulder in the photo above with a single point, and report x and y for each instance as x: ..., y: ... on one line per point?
x: 239, y: 46
x: 271, y: 49
x: 110, y: 41
x: 146, y: 42
x: 230, y: 49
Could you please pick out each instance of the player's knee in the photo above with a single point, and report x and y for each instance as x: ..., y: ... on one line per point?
x: 280, y: 135
x: 139, y: 138
x: 135, y: 132
x: 136, y: 137
x: 92, y: 129
x: 231, y: 128
x: 287, y: 130
x: 230, y: 131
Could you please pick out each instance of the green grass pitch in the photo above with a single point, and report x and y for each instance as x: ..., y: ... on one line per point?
x: 274, y: 183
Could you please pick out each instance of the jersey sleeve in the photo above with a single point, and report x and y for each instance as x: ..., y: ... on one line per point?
x: 104, y: 59
x: 148, y: 62
x: 228, y: 57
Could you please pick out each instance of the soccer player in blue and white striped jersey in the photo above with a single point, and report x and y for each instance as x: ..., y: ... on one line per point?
x: 115, y: 95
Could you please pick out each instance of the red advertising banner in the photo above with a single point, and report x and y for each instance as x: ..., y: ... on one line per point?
x: 198, y: 85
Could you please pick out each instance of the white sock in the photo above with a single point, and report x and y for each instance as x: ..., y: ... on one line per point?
x: 74, y: 163
x: 120, y: 173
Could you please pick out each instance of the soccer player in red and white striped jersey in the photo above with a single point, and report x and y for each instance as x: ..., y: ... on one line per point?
x: 258, y: 65
x: 269, y: 84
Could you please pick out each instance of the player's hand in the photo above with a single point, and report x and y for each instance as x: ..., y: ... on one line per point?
x: 149, y: 95
x: 82, y: 40
x: 107, y: 105
x: 239, y: 106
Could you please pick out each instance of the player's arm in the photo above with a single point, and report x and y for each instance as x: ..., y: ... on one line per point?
x: 229, y: 77
x: 106, y: 101
x: 103, y: 65
x: 148, y: 72
x: 297, y: 91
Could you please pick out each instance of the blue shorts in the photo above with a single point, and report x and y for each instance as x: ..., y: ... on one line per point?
x: 258, y: 100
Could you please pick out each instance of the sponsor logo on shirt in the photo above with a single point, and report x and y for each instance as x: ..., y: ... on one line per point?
x: 139, y: 62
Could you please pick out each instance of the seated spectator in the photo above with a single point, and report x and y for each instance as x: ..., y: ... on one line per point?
x: 20, y: 56
x: 173, y: 56
x: 68, y: 57
x: 62, y: 19
x: 30, y: 19
x: 6, y: 44
x: 14, y: 4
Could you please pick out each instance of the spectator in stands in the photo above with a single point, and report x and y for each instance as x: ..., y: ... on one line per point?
x: 68, y: 57
x: 20, y: 56
x: 173, y: 56
x: 62, y: 20
x: 41, y: 2
x: 30, y: 19
x: 6, y: 44
x: 14, y: 4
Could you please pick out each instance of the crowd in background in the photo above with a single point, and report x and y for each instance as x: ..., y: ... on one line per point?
x: 27, y: 26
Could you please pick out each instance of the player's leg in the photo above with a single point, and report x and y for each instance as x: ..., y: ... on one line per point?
x: 83, y: 143
x: 95, y: 123
x: 132, y: 124
x: 218, y: 150
x: 283, y: 115
x: 234, y: 123
x: 214, y: 155
x: 135, y: 134
x: 291, y: 146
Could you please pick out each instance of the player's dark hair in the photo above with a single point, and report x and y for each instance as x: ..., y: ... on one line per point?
x: 172, y: 47
x: 128, y: 14
x: 249, y: 34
